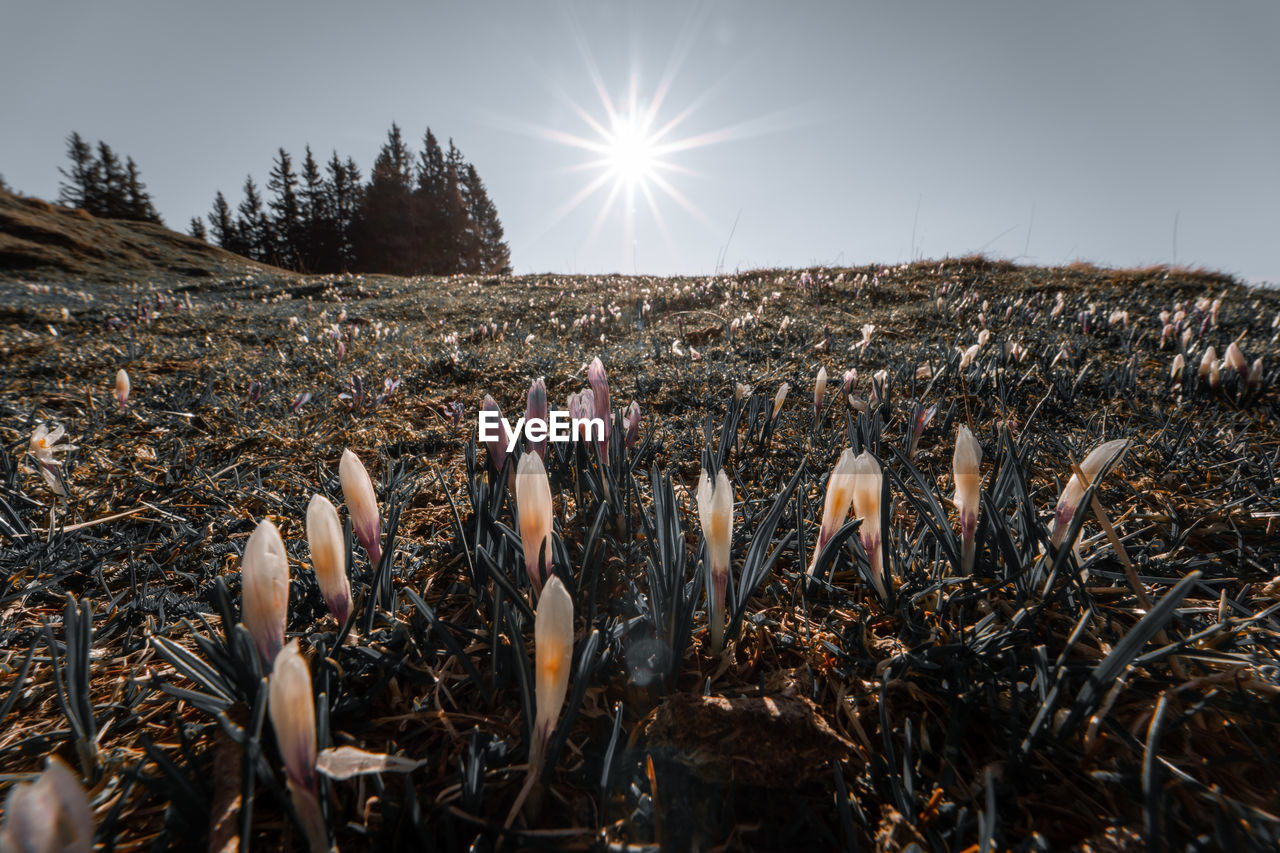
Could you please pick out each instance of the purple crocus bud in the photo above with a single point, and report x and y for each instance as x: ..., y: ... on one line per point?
x: 632, y: 421
x: 264, y: 585
x: 537, y: 408
x: 918, y: 423
x: 600, y: 391
x: 848, y: 382
x: 498, y: 446
x: 255, y: 392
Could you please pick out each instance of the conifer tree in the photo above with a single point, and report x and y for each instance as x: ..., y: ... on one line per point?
x: 431, y: 233
x: 196, y: 229
x: 283, y: 184
x: 83, y: 178
x: 253, y: 225
x: 137, y: 201
x: 225, y: 232
x: 383, y: 239
x: 312, y: 215
x: 465, y: 248
x: 113, y: 202
x: 495, y: 256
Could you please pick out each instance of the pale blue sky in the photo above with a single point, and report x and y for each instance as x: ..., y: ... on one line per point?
x: 1044, y: 132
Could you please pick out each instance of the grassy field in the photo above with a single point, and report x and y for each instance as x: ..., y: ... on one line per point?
x: 1107, y: 697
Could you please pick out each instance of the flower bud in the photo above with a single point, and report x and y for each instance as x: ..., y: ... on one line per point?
x: 741, y: 391
x: 328, y: 556
x: 919, y: 421
x: 632, y: 421
x: 779, y: 399
x: 498, y: 446
x: 1206, y: 362
x: 122, y: 388
x: 1175, y: 371
x: 362, y: 505
x: 533, y: 500
x: 291, y: 705
x: 836, y: 506
x: 1254, y: 379
x: 553, y: 654
x: 966, y: 467
x: 715, y: 511
x: 847, y: 383
x: 1098, y: 460
x: 867, y: 484
x: 264, y: 590
x: 1235, y: 360
x: 50, y: 814
x: 599, y: 383
x: 819, y: 391
x: 536, y: 408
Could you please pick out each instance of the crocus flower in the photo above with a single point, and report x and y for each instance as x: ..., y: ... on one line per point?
x: 1254, y: 379
x: 291, y: 705
x: 122, y: 388
x: 966, y: 466
x: 867, y: 482
x: 919, y: 420
x: 362, y: 504
x: 328, y: 556
x: 819, y: 391
x: 836, y: 507
x: 867, y: 330
x: 50, y: 814
x: 779, y: 399
x: 553, y: 654
x: 1206, y: 361
x: 497, y: 447
x: 264, y: 589
x: 715, y: 511
x: 533, y: 499
x: 1095, y: 463
x: 1175, y: 371
x: 741, y: 391
x: 537, y: 408
x: 1235, y: 360
x: 847, y: 383
x: 43, y: 445
x: 632, y: 421
x: 599, y: 383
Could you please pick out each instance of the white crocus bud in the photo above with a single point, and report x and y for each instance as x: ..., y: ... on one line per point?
x: 779, y: 399
x: 50, y: 814
x: 1254, y: 379
x: 836, y: 506
x: 362, y: 504
x: 264, y: 590
x: 328, y: 556
x: 819, y: 391
x: 1235, y: 360
x: 1175, y: 371
x: 533, y: 499
x: 1096, y: 462
x: 553, y: 653
x: 741, y: 391
x: 122, y: 388
x: 715, y: 511
x: 1206, y: 362
x: 867, y: 483
x: 291, y: 705
x: 966, y: 467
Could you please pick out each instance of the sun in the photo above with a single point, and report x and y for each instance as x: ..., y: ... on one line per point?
x: 631, y: 151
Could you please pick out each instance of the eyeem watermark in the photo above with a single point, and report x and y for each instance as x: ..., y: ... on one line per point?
x: 558, y: 427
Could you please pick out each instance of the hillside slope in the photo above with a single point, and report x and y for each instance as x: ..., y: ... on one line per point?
x: 39, y: 238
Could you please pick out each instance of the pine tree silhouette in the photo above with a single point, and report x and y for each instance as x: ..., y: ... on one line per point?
x: 283, y: 185
x: 196, y: 229
x: 225, y: 232
x: 82, y: 187
x: 495, y: 256
x: 253, y: 225
x: 384, y: 241
x: 312, y: 216
x: 137, y: 201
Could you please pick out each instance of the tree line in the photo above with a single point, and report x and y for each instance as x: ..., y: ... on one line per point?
x: 427, y: 214
x: 98, y: 182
